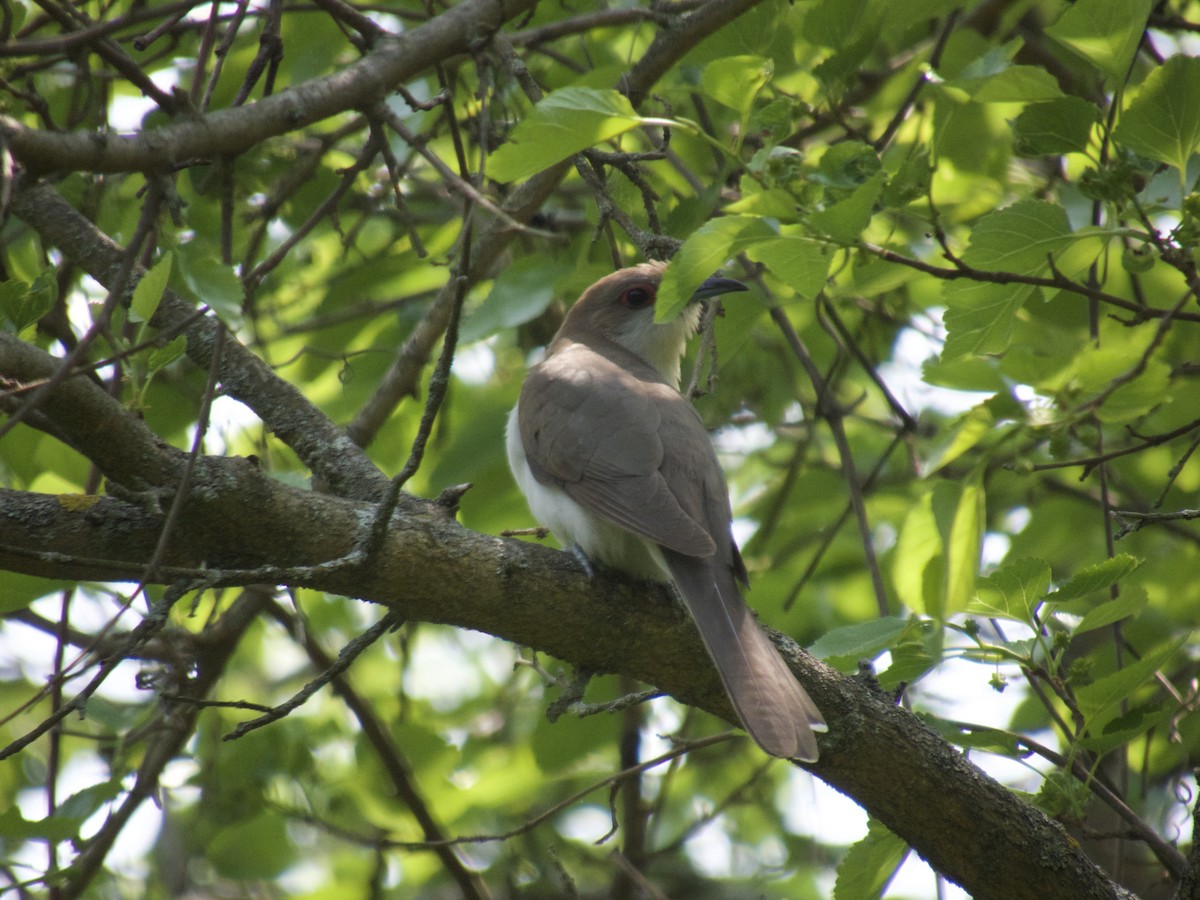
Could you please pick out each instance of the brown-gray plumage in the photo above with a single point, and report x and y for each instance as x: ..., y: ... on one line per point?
x: 613, y: 459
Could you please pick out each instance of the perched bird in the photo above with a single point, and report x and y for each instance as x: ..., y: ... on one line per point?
x: 615, y: 461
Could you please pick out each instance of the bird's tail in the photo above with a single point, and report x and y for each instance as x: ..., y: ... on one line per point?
x: 773, y: 707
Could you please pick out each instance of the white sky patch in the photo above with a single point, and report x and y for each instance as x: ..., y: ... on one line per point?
x: 902, y: 373
x: 475, y: 363
x: 125, y: 114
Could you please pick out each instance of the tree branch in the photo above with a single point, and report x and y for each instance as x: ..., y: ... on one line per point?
x: 432, y: 569
x: 360, y: 85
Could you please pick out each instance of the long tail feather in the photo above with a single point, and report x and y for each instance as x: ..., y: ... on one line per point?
x: 773, y: 707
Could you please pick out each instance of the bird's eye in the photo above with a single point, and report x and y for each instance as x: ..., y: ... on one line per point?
x: 637, y: 297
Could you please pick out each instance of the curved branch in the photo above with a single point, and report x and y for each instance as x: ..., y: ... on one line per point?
x: 431, y: 569
x: 225, y: 132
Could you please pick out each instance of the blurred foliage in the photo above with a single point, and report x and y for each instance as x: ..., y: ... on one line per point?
x: 980, y: 221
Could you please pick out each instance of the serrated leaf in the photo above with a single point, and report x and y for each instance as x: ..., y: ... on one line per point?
x: 1013, y: 591
x: 702, y: 254
x: 1056, y: 126
x: 564, y: 122
x: 869, y: 865
x: 1106, y: 692
x: 1163, y: 121
x: 1105, y: 32
x: 802, y: 263
x: 980, y: 316
x: 148, y: 292
x: 865, y: 639
x: 1096, y: 577
x: 1019, y: 238
x: 736, y: 80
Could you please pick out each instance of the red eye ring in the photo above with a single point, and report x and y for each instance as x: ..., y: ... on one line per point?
x: 639, y: 296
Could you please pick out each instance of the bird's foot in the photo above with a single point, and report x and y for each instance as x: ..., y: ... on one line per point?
x: 584, y: 563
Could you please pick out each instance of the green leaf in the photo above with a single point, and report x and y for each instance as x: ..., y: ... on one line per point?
x: 57, y: 829
x: 564, y: 122
x: 83, y: 803
x: 1105, y: 32
x: 980, y: 316
x: 802, y: 263
x: 1019, y: 238
x: 910, y: 661
x: 1063, y: 796
x: 1131, y: 602
x: 869, y: 865
x: 254, y: 848
x: 1016, y: 84
x: 1096, y: 577
x: 977, y: 737
x: 848, y: 165
x: 832, y: 23
x: 736, y: 80
x: 971, y: 428
x: 1120, y: 731
x: 1106, y: 692
x: 1056, y: 126
x: 911, y: 182
x: 17, y: 591
x: 918, y: 547
x: 520, y: 293
x: 846, y: 220
x: 1163, y: 121
x: 703, y: 253
x: 165, y: 355
x: 149, y: 290
x: 865, y: 639
x: 212, y: 283
x: 1013, y: 591
x: 960, y: 512
x: 23, y: 304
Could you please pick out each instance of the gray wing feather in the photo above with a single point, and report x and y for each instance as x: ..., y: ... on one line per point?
x: 594, y: 430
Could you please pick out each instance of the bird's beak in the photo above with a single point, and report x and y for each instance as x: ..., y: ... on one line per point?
x: 715, y: 286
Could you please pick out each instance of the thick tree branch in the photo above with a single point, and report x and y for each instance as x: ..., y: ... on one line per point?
x: 431, y: 569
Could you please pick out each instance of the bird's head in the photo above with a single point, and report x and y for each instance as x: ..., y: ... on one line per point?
x: 620, y: 308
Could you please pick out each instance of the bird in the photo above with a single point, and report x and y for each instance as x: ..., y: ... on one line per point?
x: 618, y: 464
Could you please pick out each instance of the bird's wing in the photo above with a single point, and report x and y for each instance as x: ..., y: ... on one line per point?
x: 596, y: 430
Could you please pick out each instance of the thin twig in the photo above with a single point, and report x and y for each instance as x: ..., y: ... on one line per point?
x: 345, y: 659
